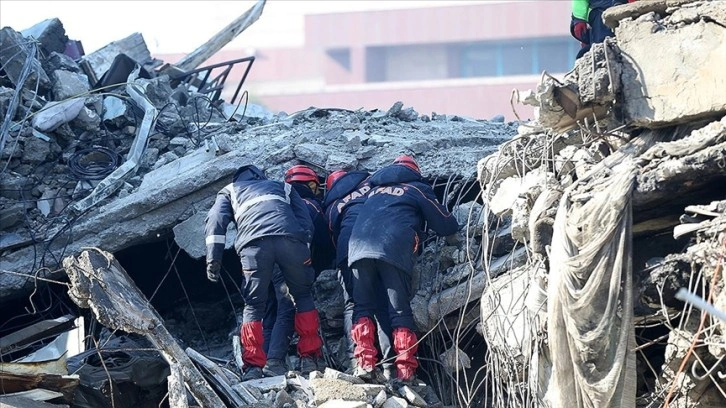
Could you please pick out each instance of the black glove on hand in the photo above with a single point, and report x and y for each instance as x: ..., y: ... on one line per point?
x: 213, y: 268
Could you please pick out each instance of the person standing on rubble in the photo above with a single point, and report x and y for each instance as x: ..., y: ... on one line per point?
x: 279, y: 317
x: 273, y: 228
x: 586, y: 23
x: 345, y: 193
x: 384, y: 244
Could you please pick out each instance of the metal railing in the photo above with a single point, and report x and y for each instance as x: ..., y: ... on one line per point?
x: 200, y: 78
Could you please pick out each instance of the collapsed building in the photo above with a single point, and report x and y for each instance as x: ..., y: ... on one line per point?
x: 592, y: 247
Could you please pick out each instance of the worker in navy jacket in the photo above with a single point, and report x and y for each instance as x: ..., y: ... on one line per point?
x: 278, y: 321
x: 384, y: 244
x: 346, y: 192
x: 273, y: 228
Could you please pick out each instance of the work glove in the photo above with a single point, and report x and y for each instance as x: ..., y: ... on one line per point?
x: 580, y: 30
x: 213, y: 268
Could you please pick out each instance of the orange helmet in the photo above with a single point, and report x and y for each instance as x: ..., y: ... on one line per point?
x: 301, y: 173
x: 333, y: 177
x: 407, y: 161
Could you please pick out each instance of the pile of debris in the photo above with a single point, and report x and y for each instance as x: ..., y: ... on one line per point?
x: 114, y: 150
x: 612, y: 208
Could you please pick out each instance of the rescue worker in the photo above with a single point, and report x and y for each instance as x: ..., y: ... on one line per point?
x: 278, y: 321
x: 273, y: 228
x: 345, y: 193
x: 586, y: 24
x: 384, y: 244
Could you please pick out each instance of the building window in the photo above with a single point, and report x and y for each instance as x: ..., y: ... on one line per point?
x: 517, y: 57
x: 341, y: 56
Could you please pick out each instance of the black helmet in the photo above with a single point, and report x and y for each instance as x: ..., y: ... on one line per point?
x: 248, y: 172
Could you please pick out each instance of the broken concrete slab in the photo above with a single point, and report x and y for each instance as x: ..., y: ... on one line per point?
x: 412, y: 396
x: 339, y: 403
x: 18, y: 57
x: 68, y: 84
x: 326, y: 389
x: 189, y: 235
x: 337, y: 375
x: 133, y: 46
x: 50, y: 34
x: 396, y: 402
x: 267, y: 384
x: 672, y: 89
x: 100, y: 283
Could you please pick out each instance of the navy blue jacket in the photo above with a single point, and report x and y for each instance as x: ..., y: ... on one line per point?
x: 390, y: 225
x: 259, y: 208
x: 342, y: 205
x: 322, y: 248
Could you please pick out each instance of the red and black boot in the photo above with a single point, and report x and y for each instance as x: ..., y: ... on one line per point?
x: 363, y: 335
x: 253, y: 355
x: 405, y: 346
x: 307, y: 325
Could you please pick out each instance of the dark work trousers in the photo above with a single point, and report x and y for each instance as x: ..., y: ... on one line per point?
x: 278, y: 325
x: 258, y: 259
x: 368, y: 274
x: 345, y: 276
x: 598, y: 30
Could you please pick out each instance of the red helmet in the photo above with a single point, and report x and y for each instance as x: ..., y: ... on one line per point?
x: 301, y: 173
x: 407, y: 161
x: 333, y: 177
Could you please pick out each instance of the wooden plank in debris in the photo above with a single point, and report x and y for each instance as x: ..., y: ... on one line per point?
x: 35, y: 332
x: 65, y: 384
x: 23, y: 402
x: 99, y: 282
x: 219, y: 379
x: 37, y: 394
x: 222, y: 38
x: 177, y: 392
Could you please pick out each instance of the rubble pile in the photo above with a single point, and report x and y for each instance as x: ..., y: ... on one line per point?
x: 623, y: 168
x: 110, y: 150
x: 593, y: 235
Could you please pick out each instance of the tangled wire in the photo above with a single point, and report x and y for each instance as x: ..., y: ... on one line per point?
x: 94, y: 163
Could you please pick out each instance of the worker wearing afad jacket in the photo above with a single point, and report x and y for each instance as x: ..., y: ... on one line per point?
x: 273, y: 228
x: 278, y: 323
x: 586, y: 24
x: 384, y: 244
x: 346, y: 193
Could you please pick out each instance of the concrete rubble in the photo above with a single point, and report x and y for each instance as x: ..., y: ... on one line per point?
x: 137, y: 166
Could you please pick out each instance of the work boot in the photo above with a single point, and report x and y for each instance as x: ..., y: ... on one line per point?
x: 274, y: 367
x: 309, y: 364
x: 405, y: 346
x: 252, y: 373
x: 307, y: 325
x: 253, y: 354
x: 363, y: 334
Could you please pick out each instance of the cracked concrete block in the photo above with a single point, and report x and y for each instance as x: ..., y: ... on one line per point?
x: 337, y: 375
x: 87, y: 119
x: 312, y: 153
x: 268, y: 384
x: 55, y: 114
x: 372, y: 390
x: 395, y: 402
x: 672, y: 88
x: 326, y: 389
x: 35, y: 150
x: 58, y: 60
x: 50, y: 33
x: 412, y: 396
x: 189, y: 235
x: 68, y: 84
x: 338, y: 403
x: 341, y: 161
x: 14, y: 50
x: 174, y: 167
x: 380, y: 399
